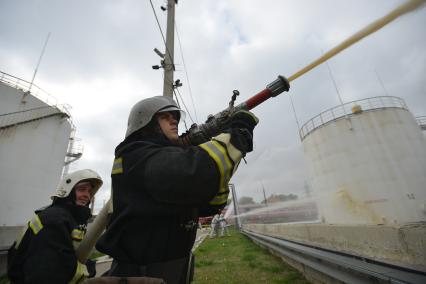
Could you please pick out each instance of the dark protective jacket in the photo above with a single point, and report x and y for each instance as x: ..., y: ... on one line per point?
x: 158, y: 192
x: 44, y: 252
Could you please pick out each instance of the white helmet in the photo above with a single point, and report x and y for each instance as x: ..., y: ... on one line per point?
x: 143, y: 111
x: 70, y: 180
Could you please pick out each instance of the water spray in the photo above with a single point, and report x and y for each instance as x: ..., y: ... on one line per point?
x: 214, y: 125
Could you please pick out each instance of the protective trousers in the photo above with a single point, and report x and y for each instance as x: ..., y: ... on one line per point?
x: 177, y: 271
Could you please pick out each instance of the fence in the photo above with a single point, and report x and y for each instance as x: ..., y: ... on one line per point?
x: 347, y: 109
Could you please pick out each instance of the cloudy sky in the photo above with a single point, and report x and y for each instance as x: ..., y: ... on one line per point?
x: 100, y: 53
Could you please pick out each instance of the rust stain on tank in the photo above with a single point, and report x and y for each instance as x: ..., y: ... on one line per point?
x: 356, y: 207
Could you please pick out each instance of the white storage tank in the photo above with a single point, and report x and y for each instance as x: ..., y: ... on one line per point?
x: 366, y: 162
x: 34, y: 137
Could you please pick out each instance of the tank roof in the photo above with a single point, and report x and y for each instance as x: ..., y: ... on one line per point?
x: 349, y: 109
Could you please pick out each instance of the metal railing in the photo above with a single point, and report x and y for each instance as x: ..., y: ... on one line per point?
x: 32, y: 89
x: 336, y: 265
x: 421, y: 120
x: 76, y: 150
x: 346, y: 110
x: 19, y: 117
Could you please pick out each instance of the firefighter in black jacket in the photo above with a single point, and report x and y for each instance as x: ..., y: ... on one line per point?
x: 45, y: 250
x: 159, y: 189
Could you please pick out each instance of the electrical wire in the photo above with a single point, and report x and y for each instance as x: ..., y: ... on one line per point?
x: 186, y: 72
x: 186, y: 108
x: 178, y: 103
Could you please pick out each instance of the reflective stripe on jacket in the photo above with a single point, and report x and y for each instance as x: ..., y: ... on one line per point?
x: 227, y: 158
x: 157, y: 191
x: 44, y: 251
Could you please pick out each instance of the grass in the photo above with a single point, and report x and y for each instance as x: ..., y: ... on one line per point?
x: 236, y: 259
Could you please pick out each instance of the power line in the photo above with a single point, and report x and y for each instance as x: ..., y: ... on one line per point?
x: 183, y: 102
x: 187, y: 77
x: 186, y: 108
x: 178, y: 103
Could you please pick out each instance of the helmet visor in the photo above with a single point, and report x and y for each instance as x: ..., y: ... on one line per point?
x: 182, y: 114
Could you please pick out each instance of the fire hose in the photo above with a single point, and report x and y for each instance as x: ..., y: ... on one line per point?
x: 198, y: 134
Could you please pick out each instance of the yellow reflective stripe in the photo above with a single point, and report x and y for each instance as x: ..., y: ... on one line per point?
x: 80, y: 273
x: 233, y: 152
x: 225, y: 160
x: 223, y: 193
x: 235, y: 155
x: 35, y: 224
x: 77, y: 234
x: 215, y: 158
x: 219, y: 155
x: 117, y: 167
x: 220, y: 199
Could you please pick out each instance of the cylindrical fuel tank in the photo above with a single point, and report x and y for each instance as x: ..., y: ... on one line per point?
x: 366, y: 162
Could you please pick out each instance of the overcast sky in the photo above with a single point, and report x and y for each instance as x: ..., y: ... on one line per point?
x: 100, y: 53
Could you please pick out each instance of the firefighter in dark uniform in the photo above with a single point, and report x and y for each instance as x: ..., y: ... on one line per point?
x: 45, y: 250
x: 159, y: 190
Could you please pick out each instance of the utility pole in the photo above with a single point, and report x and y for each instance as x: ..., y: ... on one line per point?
x: 236, y: 213
x: 169, y: 65
x: 264, y: 195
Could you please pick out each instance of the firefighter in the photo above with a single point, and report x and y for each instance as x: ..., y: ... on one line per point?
x: 159, y: 189
x: 214, y: 226
x: 223, y: 226
x: 45, y: 250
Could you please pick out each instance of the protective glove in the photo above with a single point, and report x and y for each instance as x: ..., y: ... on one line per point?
x: 91, y: 267
x: 244, y: 119
x: 242, y: 139
x: 242, y: 124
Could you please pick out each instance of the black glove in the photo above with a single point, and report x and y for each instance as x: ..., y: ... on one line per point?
x: 91, y: 267
x: 242, y: 124
x: 244, y: 119
x: 242, y: 139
